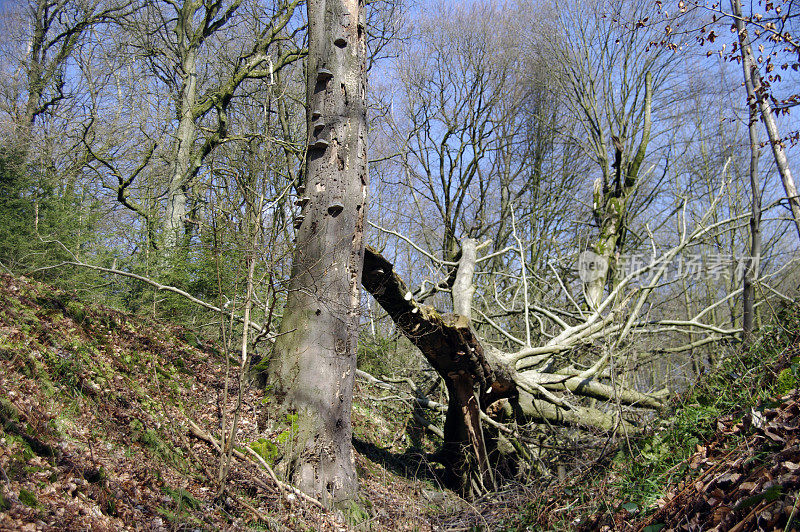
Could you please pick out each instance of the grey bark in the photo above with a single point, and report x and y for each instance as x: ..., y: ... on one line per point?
x: 534, y: 408
x: 185, y: 135
x: 754, y: 258
x: 313, y: 366
x: 757, y: 94
x: 463, y: 287
x: 611, y: 200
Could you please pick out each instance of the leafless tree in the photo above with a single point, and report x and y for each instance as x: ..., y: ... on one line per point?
x: 313, y: 366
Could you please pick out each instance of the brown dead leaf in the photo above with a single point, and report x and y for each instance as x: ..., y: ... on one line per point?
x: 773, y: 436
x: 748, y: 487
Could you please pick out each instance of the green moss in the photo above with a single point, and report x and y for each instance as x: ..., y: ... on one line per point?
x: 261, y: 367
x: 291, y: 421
x: 183, y: 501
x: 183, y: 498
x: 270, y: 451
x: 8, y: 412
x: 355, y: 512
x: 31, y: 470
x: 18, y: 351
x: 68, y: 367
x: 191, y: 338
x: 27, y: 498
x: 178, y: 518
x: 76, y: 311
x: 152, y: 440
x: 16, y: 465
x: 266, y: 450
x: 787, y: 380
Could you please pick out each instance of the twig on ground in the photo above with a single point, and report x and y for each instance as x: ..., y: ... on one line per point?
x: 253, y: 457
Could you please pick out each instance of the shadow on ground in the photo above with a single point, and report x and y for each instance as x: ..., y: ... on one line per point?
x: 412, y: 464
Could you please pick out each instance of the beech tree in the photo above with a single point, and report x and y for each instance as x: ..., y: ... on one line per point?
x: 313, y: 366
x: 757, y: 95
x: 609, y: 76
x: 201, y: 96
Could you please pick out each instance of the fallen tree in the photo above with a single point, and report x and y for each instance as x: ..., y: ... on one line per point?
x: 491, y: 391
x: 482, y: 380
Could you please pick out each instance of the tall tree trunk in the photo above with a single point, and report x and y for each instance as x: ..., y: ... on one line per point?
x: 754, y: 258
x: 177, y: 196
x: 756, y: 94
x: 312, y: 369
x: 610, y: 204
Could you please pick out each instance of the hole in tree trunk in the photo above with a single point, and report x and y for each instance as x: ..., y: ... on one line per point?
x: 335, y: 208
x: 315, y: 153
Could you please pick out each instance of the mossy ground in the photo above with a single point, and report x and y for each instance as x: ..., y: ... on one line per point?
x: 94, y: 430
x: 623, y: 488
x: 94, y: 435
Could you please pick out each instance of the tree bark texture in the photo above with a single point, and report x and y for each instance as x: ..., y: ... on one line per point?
x: 312, y: 370
x: 177, y: 195
x: 754, y: 258
x: 610, y: 202
x: 756, y: 94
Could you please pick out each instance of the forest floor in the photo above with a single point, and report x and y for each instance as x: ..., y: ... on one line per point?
x: 97, y: 409
x: 96, y: 412
x: 725, y: 456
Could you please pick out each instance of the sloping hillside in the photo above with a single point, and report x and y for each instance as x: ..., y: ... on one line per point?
x: 726, y: 456
x: 96, y: 412
x: 746, y: 478
x: 108, y: 422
